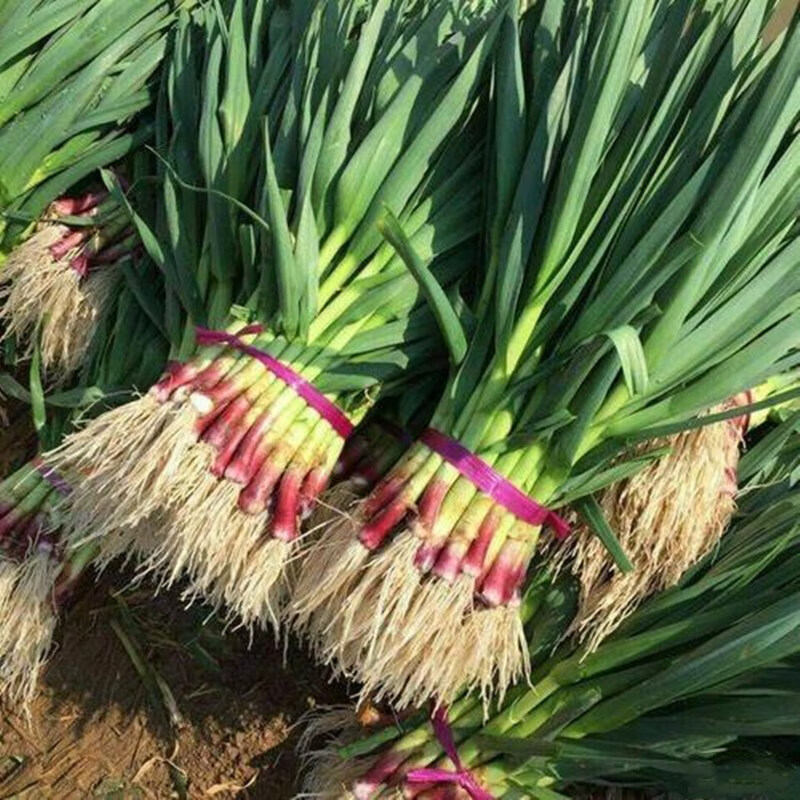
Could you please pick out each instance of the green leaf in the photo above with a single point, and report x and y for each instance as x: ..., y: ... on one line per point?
x: 445, y: 314
x: 185, y: 285
x: 631, y: 356
x: 410, y: 168
x: 235, y: 105
x: 594, y: 480
x: 289, y: 284
x: 338, y: 132
x: 37, y: 392
x: 149, y: 300
x: 590, y: 510
x: 762, y: 637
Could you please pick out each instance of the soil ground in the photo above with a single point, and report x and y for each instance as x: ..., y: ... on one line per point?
x: 189, y: 712
x: 143, y: 698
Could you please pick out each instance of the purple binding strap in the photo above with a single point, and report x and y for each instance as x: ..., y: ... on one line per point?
x: 461, y: 777
x: 324, y: 407
x: 493, y: 483
x: 52, y: 477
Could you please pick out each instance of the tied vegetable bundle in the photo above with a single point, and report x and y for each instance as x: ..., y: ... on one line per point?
x: 74, y: 76
x: 38, y: 570
x: 668, y: 515
x: 60, y: 282
x: 72, y: 73
x: 641, y: 271
x: 314, y: 124
x: 696, y: 693
x: 665, y: 518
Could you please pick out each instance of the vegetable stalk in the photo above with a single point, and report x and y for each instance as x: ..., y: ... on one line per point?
x: 268, y: 235
x: 625, y: 220
x: 688, y: 684
x: 61, y: 281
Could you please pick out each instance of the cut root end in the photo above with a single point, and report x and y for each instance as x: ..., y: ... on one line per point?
x: 326, y: 775
x: 666, y: 517
x: 258, y: 595
x: 330, y: 563
x: 405, y: 636
x: 45, y: 293
x: 27, y: 624
x: 121, y: 466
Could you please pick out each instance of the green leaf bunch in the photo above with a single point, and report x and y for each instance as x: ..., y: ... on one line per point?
x: 74, y: 75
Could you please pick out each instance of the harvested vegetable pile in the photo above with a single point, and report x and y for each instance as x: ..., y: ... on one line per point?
x: 434, y: 335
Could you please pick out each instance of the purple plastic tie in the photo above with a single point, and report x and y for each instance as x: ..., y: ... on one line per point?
x: 461, y: 776
x: 324, y: 407
x: 493, y: 483
x: 52, y: 477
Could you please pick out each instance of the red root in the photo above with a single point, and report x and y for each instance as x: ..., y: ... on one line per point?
x: 205, y: 421
x: 431, y: 503
x: 226, y: 425
x: 314, y: 485
x: 426, y: 556
x: 250, y: 454
x: 502, y: 581
x: 175, y: 375
x: 222, y: 392
x: 380, y: 774
x: 206, y: 378
x: 429, y: 507
x: 253, y: 499
x: 227, y: 451
x: 450, y: 560
x: 73, y: 206
x: 476, y: 555
x: 374, y: 532
x: 68, y: 242
x: 80, y: 265
x: 386, y: 491
x: 285, y: 517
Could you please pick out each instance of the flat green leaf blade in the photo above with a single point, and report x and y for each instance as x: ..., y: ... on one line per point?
x: 590, y: 509
x: 444, y: 312
x: 631, y: 356
x: 37, y: 392
x: 290, y: 286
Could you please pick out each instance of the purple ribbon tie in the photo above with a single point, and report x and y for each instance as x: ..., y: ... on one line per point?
x: 461, y: 776
x: 324, y: 407
x: 493, y: 483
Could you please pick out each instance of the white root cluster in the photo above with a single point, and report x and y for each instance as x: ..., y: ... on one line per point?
x: 47, y: 298
x: 666, y: 517
x: 403, y: 635
x: 326, y: 775
x: 28, y: 623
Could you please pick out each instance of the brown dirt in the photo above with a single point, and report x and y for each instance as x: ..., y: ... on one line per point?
x: 95, y: 731
x: 220, y: 726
